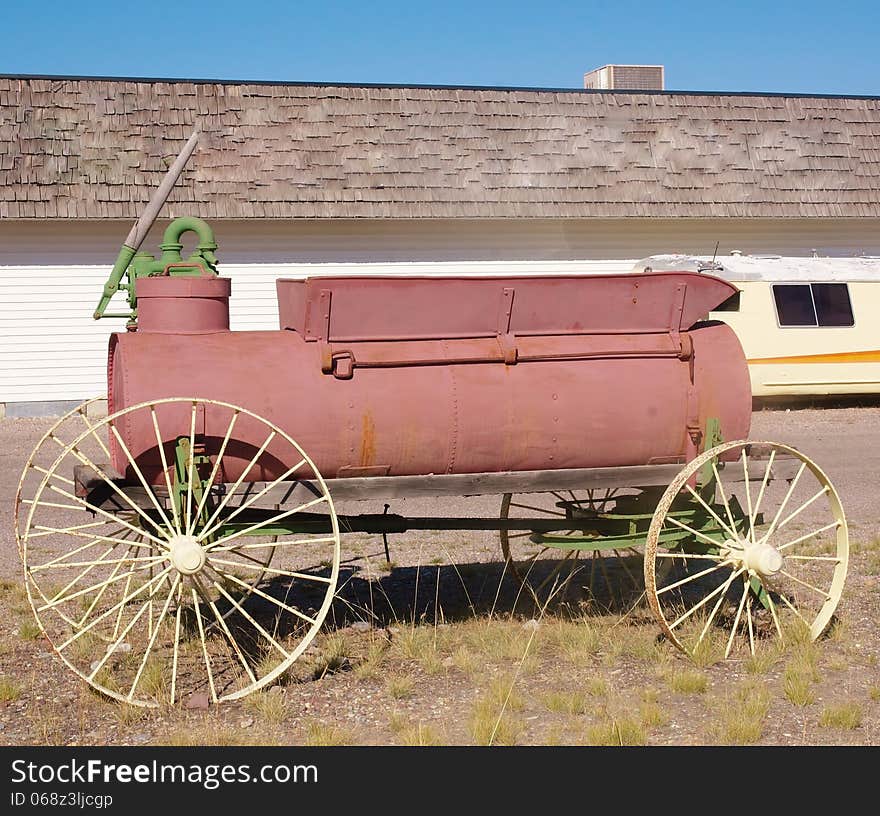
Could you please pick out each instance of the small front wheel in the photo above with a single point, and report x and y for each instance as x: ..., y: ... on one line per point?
x: 758, y: 540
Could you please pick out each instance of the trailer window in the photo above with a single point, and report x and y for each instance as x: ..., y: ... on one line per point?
x: 813, y: 304
x: 832, y: 304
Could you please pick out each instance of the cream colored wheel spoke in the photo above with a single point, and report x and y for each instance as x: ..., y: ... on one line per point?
x: 262, y: 594
x: 784, y: 502
x: 238, y: 482
x: 747, y: 489
x: 223, y: 625
x: 825, y: 595
x: 116, y: 489
x: 803, y: 507
x: 93, y: 539
x: 262, y: 524
x: 256, y: 497
x: 160, y: 445
x: 695, y: 577
x: 691, y: 530
x: 44, y: 455
x: 137, y: 471
x: 742, y: 602
x: 203, y: 642
x: 802, y: 571
x: 729, y: 530
x: 751, y: 627
x: 149, y: 609
x: 59, y: 599
x: 723, y: 496
x: 175, y: 658
x: 152, y: 641
x: 93, y: 509
x: 768, y: 469
x: 99, y: 595
x: 218, y: 460
x: 807, y: 536
x: 190, y: 468
x: 273, y: 570
x: 294, y: 543
x: 691, y: 556
x: 127, y: 598
x: 719, y: 590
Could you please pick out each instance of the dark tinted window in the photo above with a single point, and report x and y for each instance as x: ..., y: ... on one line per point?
x: 813, y: 304
x: 794, y: 304
x: 832, y: 304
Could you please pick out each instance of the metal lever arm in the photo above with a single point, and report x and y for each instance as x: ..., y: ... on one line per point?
x: 142, y: 227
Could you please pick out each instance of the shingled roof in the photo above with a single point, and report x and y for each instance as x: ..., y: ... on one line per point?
x: 97, y: 148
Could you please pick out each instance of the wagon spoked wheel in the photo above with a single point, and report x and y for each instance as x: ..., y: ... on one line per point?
x: 146, y: 547
x: 760, y: 550
x: 47, y: 450
x: 548, y: 572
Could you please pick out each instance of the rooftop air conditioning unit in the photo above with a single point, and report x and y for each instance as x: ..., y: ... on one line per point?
x: 625, y: 78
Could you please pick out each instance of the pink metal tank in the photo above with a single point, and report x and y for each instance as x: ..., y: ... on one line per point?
x: 414, y: 376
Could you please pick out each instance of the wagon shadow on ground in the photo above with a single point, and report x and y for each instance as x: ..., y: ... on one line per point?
x: 456, y: 592
x: 449, y: 593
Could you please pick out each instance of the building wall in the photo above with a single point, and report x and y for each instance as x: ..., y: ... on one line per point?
x: 53, y: 354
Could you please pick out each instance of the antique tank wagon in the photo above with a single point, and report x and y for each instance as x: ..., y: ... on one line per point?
x: 189, y: 542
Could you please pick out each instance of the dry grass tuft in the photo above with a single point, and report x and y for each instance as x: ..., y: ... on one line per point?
x: 650, y: 711
x: 9, y: 689
x: 327, y: 734
x: 620, y: 730
x: 743, y: 714
x: 269, y: 706
x: 843, y: 715
x: 210, y: 731
x: 371, y: 666
x: 419, y: 734
x: 797, y: 684
x: 331, y: 657
x: 493, y: 718
x: 29, y: 630
x: 687, y: 681
x: 561, y: 702
x: 400, y: 686
x: 764, y: 659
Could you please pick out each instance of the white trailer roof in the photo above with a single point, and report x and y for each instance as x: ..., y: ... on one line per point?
x: 768, y: 267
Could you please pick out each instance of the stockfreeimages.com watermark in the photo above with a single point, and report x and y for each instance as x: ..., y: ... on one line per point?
x: 210, y: 775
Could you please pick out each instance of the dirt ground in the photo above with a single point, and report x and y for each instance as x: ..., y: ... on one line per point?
x: 439, y: 673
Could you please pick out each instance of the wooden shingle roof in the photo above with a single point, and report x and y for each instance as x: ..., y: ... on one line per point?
x: 97, y: 148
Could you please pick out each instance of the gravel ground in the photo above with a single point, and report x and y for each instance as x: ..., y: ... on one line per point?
x: 48, y: 704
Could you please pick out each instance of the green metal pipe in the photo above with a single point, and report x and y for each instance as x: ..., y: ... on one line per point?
x: 189, y: 223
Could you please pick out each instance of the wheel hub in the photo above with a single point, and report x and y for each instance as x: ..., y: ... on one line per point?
x: 758, y: 557
x: 187, y: 556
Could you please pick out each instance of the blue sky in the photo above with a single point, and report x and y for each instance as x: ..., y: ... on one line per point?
x: 784, y: 47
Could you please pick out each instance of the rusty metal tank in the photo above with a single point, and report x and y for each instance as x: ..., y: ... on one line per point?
x: 407, y: 376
